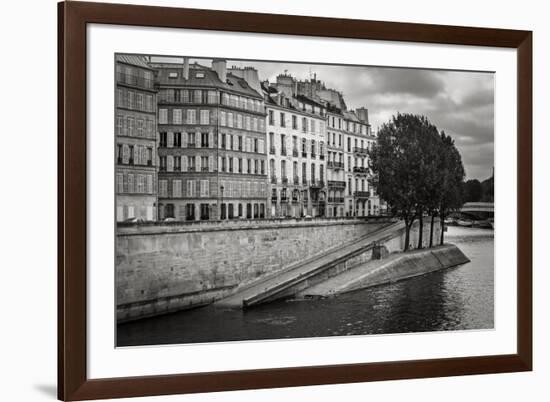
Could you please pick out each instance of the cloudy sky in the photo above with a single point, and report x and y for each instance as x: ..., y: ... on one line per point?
x: 460, y: 103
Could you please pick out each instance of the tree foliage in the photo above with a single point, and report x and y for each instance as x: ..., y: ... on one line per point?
x: 418, y: 170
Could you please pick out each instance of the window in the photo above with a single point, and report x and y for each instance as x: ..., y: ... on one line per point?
x: 204, y: 163
x: 223, y: 141
x: 204, y: 140
x: 349, y: 144
x: 204, y: 189
x: 230, y: 119
x: 240, y: 165
x: 190, y: 140
x: 163, y: 188
x: 255, y: 145
x: 230, y: 165
x: 312, y: 172
x: 176, y: 116
x: 205, y: 117
x: 162, y: 166
x: 212, y: 97
x: 177, y: 163
x: 223, y: 119
x: 176, y: 188
x: 191, y: 188
x: 240, y: 143
x: 249, y: 166
x: 191, y: 116
x: 304, y: 124
x: 191, y: 164
x: 177, y: 140
x: 294, y: 122
x: 262, y: 167
x: 119, y: 183
x: 119, y: 125
x: 197, y: 96
x: 282, y: 119
x: 271, y: 118
x: 163, y: 116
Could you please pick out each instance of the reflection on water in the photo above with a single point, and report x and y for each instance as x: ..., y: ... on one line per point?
x: 453, y: 299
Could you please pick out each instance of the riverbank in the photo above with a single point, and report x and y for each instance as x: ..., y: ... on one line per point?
x: 459, y: 298
x: 394, y: 267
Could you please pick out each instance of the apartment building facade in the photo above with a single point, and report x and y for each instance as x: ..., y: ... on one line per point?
x: 296, y: 138
x: 212, y: 136
x: 135, y: 140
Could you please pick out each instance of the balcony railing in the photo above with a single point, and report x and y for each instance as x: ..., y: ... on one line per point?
x: 359, y: 150
x: 304, y: 154
x: 284, y: 200
x: 283, y: 151
x: 304, y: 181
x: 339, y: 200
x: 313, y: 155
x: 335, y: 165
x: 361, y: 194
x: 190, y: 168
x: 295, y: 153
x: 274, y: 179
x: 317, y: 183
x: 322, y: 157
x: 204, y: 168
x: 337, y: 183
x: 360, y: 169
x: 272, y: 150
x: 284, y: 180
x: 191, y: 145
x: 296, y: 180
x: 134, y: 80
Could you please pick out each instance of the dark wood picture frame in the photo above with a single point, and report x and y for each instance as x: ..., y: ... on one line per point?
x: 73, y: 383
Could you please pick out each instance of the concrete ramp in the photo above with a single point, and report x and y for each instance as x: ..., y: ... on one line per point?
x: 395, y: 267
x: 309, y: 272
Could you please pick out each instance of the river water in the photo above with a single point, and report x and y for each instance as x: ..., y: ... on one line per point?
x: 453, y: 299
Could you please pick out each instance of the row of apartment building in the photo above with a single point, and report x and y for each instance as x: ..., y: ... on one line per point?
x: 196, y: 142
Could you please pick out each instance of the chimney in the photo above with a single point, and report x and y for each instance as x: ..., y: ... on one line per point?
x: 363, y: 114
x: 185, y: 72
x: 220, y: 67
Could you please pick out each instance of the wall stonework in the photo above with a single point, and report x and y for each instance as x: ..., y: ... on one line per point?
x: 167, y: 267
x: 163, y: 268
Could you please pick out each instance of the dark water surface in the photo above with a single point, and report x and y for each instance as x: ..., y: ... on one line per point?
x: 453, y: 299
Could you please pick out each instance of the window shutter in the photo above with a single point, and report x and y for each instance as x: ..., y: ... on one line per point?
x: 184, y: 140
x: 170, y: 163
x: 210, y: 163
x: 130, y: 183
x: 170, y: 139
x: 211, y: 139
x: 184, y: 163
x: 198, y: 162
x: 150, y: 184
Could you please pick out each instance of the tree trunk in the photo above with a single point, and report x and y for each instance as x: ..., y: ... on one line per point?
x: 420, y: 229
x: 442, y: 217
x: 407, y: 235
x: 432, y: 230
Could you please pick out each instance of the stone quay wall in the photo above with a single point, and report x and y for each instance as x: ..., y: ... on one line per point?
x: 168, y: 267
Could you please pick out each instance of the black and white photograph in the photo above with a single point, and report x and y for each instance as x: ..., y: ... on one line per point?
x: 259, y: 200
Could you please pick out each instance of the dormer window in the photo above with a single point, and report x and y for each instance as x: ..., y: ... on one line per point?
x: 199, y: 74
x: 173, y: 75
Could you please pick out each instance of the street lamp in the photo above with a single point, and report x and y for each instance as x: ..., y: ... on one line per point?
x: 221, y: 207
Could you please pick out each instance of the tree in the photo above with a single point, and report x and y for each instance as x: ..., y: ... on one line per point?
x: 401, y: 163
x: 473, y: 191
x: 451, y: 192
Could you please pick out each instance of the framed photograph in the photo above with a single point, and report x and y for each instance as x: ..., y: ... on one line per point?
x: 253, y: 200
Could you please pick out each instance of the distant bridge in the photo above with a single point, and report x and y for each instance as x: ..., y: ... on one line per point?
x: 478, y: 210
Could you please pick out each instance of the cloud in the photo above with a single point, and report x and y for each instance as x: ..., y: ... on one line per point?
x: 459, y: 102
